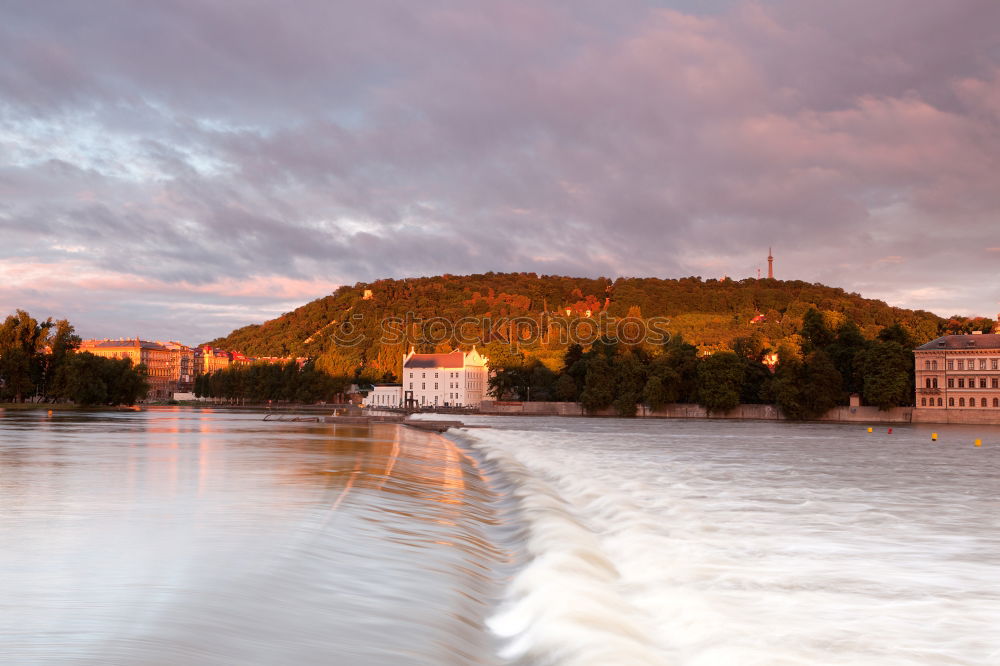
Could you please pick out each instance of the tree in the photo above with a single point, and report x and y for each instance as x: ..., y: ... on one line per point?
x: 540, y: 381
x: 62, y: 342
x: 756, y: 383
x: 720, y: 378
x: 22, y: 343
x: 663, y: 384
x: 573, y: 354
x: 630, y: 379
x: 896, y: 333
x: 822, y: 386
x: 84, y: 380
x: 815, y: 333
x: 845, y: 348
x: 886, y: 370
x: 89, y: 380
x: 565, y: 389
x: 598, y: 387
x: 751, y: 347
x: 806, y: 389
x: 683, y: 359
x: 16, y: 373
x: 507, y: 372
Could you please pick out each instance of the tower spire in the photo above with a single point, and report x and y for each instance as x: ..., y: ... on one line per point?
x: 770, y: 265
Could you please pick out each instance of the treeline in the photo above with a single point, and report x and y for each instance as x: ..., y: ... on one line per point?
x: 39, y: 362
x: 270, y: 382
x: 344, y: 331
x: 823, y: 372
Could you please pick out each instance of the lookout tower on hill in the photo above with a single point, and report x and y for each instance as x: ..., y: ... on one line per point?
x: 770, y: 265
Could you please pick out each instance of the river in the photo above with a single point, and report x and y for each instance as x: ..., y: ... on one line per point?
x: 212, y: 537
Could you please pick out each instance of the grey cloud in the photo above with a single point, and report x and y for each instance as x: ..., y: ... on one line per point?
x: 350, y: 141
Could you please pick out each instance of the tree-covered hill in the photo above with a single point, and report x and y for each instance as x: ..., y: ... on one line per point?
x: 347, y: 334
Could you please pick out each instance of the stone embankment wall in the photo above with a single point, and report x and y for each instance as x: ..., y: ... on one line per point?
x: 957, y: 416
x: 684, y: 411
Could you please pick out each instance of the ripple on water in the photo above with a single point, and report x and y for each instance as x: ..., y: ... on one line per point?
x: 201, y: 537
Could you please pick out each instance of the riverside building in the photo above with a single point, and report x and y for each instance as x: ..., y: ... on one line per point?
x: 169, y: 365
x: 958, y: 379
x: 385, y: 395
x: 455, y: 379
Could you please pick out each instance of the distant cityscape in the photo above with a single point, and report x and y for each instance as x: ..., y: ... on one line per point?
x: 171, y: 366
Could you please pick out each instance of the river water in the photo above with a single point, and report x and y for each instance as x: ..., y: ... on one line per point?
x: 203, y: 537
x: 741, y: 543
x: 197, y: 537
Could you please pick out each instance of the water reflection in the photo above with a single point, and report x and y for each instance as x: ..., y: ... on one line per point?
x: 200, y: 537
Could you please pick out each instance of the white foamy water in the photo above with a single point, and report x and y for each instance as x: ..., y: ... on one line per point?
x: 741, y: 543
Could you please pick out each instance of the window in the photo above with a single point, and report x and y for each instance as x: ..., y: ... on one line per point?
x: 935, y: 382
x: 423, y: 375
x: 951, y: 402
x: 435, y: 375
x: 951, y: 382
x: 982, y: 402
x: 934, y: 365
x: 940, y: 402
x: 961, y: 382
x: 961, y: 402
x: 423, y: 385
x: 411, y: 386
x: 923, y: 402
x: 996, y: 364
x: 996, y: 402
x: 951, y: 364
x: 927, y: 365
x: 982, y: 382
x: 928, y: 383
x: 411, y: 374
x: 435, y: 386
x: 982, y: 364
x: 996, y: 383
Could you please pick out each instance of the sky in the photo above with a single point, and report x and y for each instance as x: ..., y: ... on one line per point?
x: 174, y: 170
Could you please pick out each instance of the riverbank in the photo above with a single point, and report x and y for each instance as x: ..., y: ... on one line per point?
x: 844, y: 414
x: 60, y: 407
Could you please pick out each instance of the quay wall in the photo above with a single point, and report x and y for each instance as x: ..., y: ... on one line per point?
x: 687, y: 411
x: 957, y: 416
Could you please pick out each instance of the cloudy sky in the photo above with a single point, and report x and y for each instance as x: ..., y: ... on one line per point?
x: 175, y: 169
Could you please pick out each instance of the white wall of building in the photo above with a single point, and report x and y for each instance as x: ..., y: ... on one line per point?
x: 456, y: 379
x: 385, y: 395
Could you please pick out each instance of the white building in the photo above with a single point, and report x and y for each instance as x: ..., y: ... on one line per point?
x: 455, y: 379
x: 385, y: 395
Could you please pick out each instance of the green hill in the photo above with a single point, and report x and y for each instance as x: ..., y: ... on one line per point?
x: 345, y: 330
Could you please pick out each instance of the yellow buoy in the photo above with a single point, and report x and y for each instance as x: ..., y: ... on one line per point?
x: 933, y: 436
x: 979, y: 442
x: 869, y: 429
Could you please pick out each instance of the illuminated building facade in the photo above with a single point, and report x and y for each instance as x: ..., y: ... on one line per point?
x: 456, y: 379
x: 958, y: 379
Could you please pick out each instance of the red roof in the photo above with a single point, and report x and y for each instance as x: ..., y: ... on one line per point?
x: 455, y: 359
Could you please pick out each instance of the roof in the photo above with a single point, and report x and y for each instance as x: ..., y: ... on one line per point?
x: 963, y: 342
x: 455, y: 359
x: 120, y: 344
